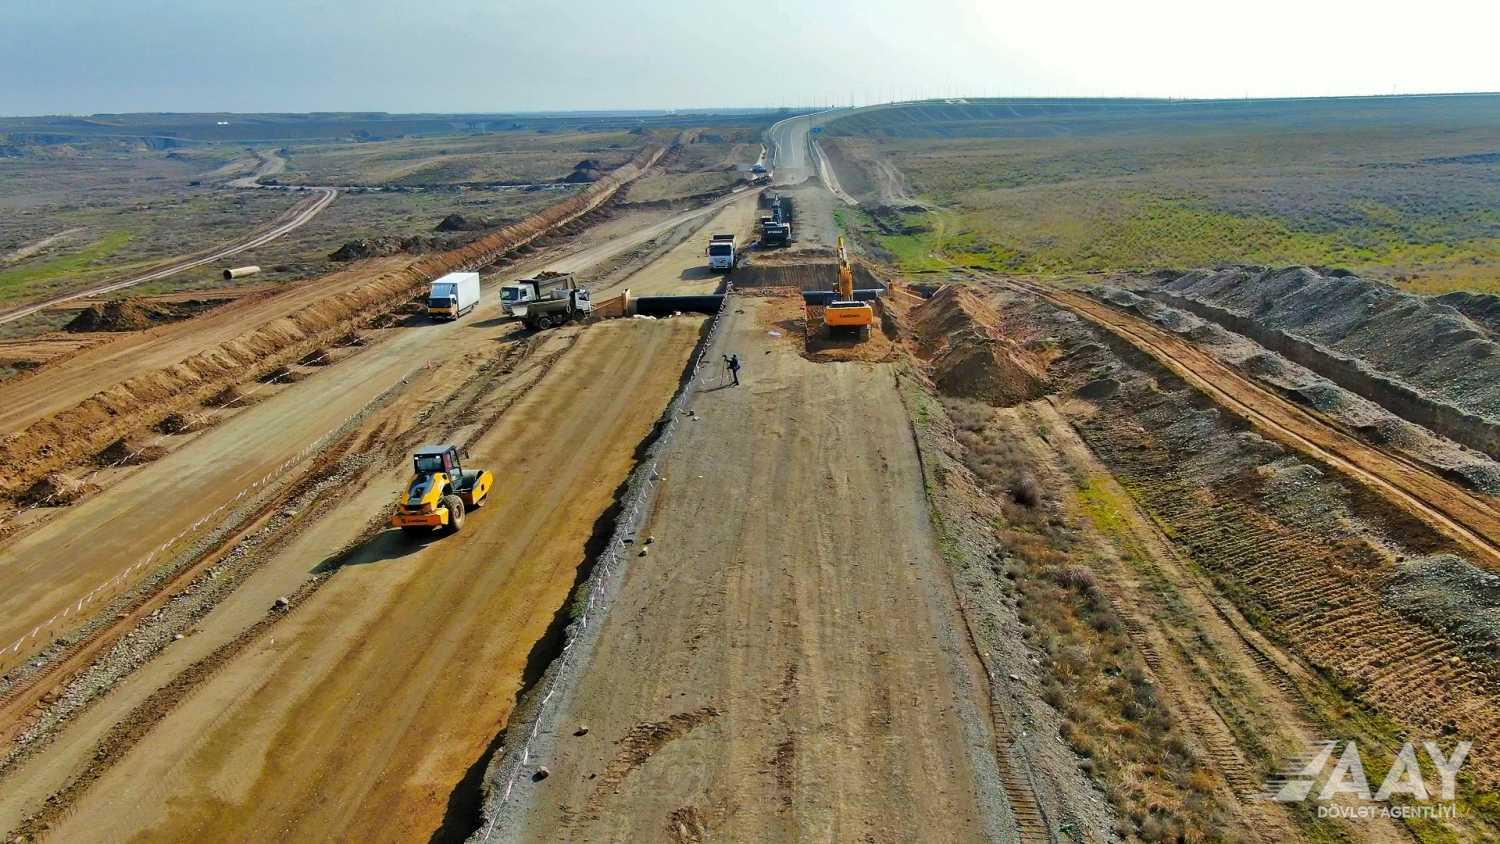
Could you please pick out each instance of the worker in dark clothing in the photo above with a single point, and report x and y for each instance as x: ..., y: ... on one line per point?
x: 733, y: 363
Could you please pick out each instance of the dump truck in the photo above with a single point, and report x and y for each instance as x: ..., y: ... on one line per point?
x: 531, y: 289
x: 441, y: 492
x: 558, y: 306
x: 453, y: 295
x: 722, y: 255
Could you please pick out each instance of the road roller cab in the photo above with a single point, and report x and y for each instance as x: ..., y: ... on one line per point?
x: 441, y: 491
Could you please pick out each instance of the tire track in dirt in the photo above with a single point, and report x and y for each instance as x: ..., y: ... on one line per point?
x: 24, y: 694
x: 385, y: 646
x: 454, y: 409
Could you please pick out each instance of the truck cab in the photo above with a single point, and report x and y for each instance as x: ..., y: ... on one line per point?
x: 512, y: 295
x: 442, y: 301
x: 721, y: 253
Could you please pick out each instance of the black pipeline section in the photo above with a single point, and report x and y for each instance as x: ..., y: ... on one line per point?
x: 668, y: 305
x: 823, y: 297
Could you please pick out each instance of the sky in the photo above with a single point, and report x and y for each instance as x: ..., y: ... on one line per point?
x: 88, y: 56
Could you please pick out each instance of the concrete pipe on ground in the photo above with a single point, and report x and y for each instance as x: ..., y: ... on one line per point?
x: 240, y: 272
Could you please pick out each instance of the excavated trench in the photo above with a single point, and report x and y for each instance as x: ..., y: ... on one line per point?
x: 1470, y: 429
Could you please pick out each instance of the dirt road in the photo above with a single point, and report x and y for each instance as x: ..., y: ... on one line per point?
x: 360, y: 712
x: 782, y: 665
x: 28, y: 249
x: 50, y: 568
x: 68, y: 382
x: 683, y: 269
x: 797, y: 173
x: 299, y: 215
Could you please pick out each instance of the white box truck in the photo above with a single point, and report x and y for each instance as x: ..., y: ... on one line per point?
x: 453, y: 295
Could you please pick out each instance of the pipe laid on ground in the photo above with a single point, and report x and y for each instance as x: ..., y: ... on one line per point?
x: 240, y: 272
x: 668, y: 305
x: 823, y: 297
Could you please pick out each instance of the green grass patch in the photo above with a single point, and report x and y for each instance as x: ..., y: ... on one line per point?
x: 17, y: 282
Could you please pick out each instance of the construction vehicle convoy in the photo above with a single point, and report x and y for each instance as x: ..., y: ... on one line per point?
x: 558, y: 304
x: 453, y: 295
x: 440, y: 492
x: 722, y: 255
x: 530, y: 289
x: 775, y: 220
x: 846, y: 315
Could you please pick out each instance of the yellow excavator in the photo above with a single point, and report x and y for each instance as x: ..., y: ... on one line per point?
x: 845, y: 314
x: 440, y: 492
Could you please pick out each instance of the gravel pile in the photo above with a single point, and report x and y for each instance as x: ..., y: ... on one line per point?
x: 1453, y: 596
x: 1482, y: 308
x: 1306, y: 387
x: 1428, y: 344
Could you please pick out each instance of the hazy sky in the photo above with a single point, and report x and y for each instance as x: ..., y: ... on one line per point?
x: 79, y: 56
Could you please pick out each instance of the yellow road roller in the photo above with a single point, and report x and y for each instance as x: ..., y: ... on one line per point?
x: 440, y: 492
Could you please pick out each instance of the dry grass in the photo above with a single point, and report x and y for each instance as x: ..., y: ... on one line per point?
x: 1113, y: 717
x: 1398, y: 190
x: 520, y: 156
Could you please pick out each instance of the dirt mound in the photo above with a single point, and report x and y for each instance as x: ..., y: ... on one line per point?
x: 968, y: 357
x: 282, y: 375
x: 1266, y: 365
x: 381, y: 247
x: 133, y: 314
x: 317, y: 357
x: 184, y: 423
x: 587, y: 170
x: 58, y: 490
x: 1389, y: 431
x: 1442, y: 347
x: 460, y: 223
x: 1482, y: 308
x: 126, y: 453
x: 1208, y: 334
x: 231, y: 396
x: 786, y: 315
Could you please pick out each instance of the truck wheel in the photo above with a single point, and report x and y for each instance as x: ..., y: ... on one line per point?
x: 455, y: 507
